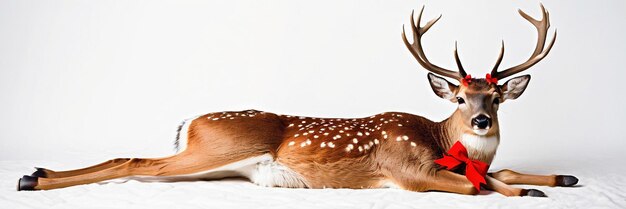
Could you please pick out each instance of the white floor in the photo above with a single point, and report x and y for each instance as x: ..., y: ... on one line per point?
x: 602, y: 185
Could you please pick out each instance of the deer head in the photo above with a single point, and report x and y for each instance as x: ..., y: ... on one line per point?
x: 478, y: 99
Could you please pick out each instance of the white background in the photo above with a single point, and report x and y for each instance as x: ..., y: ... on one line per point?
x: 93, y: 80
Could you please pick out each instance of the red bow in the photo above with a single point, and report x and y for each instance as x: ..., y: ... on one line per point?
x: 475, y: 170
x: 467, y: 80
x: 491, y: 80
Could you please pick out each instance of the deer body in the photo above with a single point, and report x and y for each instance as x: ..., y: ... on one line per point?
x: 308, y: 152
x: 388, y: 149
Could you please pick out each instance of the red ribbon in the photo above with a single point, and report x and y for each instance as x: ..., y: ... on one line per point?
x: 491, y: 80
x: 475, y: 170
x: 467, y: 80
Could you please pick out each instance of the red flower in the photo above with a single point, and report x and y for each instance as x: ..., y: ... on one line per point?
x: 467, y: 80
x: 491, y: 80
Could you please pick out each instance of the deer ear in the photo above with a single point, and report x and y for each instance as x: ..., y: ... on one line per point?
x: 442, y: 87
x: 514, y: 87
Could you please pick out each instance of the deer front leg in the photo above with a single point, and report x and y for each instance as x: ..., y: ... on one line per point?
x: 511, y: 177
x: 442, y: 180
x: 448, y: 181
x: 509, y: 191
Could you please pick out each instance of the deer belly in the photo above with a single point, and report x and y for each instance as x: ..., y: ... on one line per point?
x: 261, y: 170
x: 270, y: 173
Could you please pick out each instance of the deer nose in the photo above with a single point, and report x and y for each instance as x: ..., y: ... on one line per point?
x: 481, y: 121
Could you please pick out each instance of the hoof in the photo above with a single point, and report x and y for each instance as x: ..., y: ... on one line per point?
x: 533, y: 193
x: 27, y: 183
x: 566, y: 180
x: 40, y: 173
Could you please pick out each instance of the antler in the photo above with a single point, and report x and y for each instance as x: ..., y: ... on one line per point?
x: 542, y: 31
x: 418, y: 52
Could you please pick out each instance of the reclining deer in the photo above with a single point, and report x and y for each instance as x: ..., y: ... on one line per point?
x: 390, y: 149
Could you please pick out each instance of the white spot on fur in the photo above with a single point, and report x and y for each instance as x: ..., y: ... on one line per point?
x: 331, y: 144
x: 349, y: 147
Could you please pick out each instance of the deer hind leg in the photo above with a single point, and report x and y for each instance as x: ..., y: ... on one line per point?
x: 47, y: 173
x: 97, y: 173
x: 118, y: 171
x: 178, y: 165
x: 512, y: 177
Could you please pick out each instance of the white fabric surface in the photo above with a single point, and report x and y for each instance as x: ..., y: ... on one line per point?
x: 601, y: 185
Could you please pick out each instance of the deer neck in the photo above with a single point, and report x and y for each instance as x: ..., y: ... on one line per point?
x: 479, y: 147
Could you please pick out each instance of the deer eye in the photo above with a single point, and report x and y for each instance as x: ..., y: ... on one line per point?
x: 496, y: 101
x: 460, y: 100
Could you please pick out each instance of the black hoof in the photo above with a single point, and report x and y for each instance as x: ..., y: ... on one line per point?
x: 27, y: 183
x: 566, y: 180
x: 41, y: 173
x: 533, y: 193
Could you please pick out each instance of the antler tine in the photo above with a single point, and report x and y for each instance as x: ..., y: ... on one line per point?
x: 458, y: 61
x: 541, y: 25
x: 540, y: 52
x: 494, y: 71
x: 417, y: 50
x: 419, y: 31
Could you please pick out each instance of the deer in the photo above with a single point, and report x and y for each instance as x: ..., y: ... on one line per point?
x: 386, y: 150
